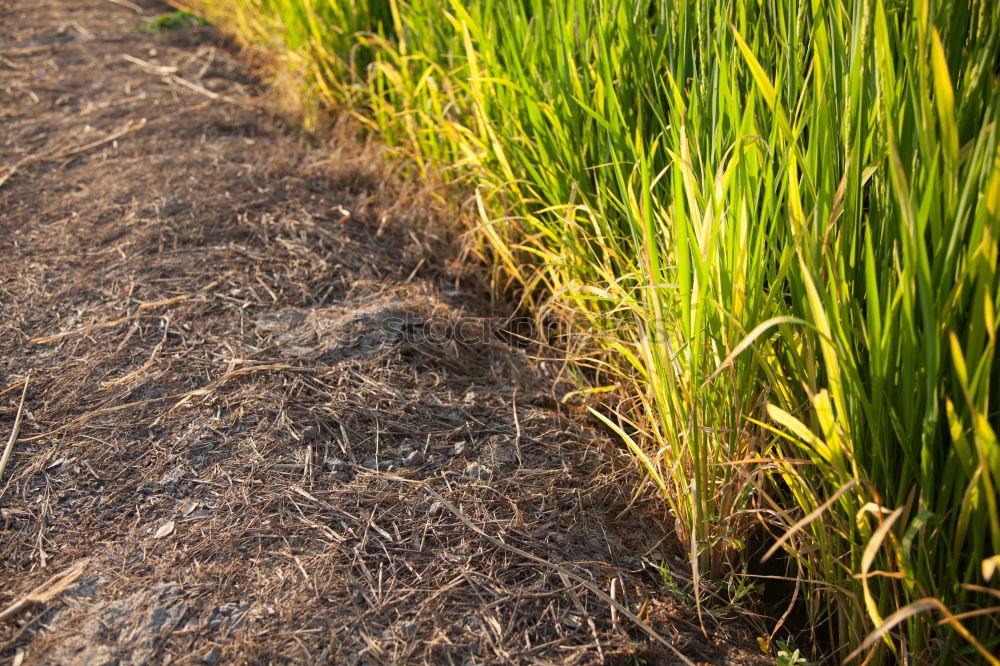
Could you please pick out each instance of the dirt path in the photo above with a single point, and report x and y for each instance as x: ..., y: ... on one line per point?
x: 247, y: 433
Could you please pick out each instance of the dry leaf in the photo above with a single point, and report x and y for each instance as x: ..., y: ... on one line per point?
x: 166, y: 529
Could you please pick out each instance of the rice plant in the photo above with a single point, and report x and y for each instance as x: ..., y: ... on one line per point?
x: 770, y: 232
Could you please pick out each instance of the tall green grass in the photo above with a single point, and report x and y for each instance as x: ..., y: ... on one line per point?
x: 771, y: 225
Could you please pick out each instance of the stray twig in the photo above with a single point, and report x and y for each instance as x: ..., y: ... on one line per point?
x: 208, y: 63
x: 208, y: 390
x: 416, y: 268
x: 148, y: 67
x: 169, y: 74
x: 198, y: 89
x: 15, y: 385
x: 14, y: 432
x: 11, y: 170
x: 517, y: 430
x: 130, y: 5
x: 54, y: 153
x: 614, y: 611
x: 128, y: 129
x: 10, y: 63
x: 45, y: 592
x: 115, y: 322
x: 97, y: 412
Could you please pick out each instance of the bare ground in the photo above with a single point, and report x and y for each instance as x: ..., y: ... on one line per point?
x: 244, y: 440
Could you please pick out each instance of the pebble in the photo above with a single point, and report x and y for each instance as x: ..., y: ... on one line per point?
x: 413, y: 459
x: 477, y: 471
x: 337, y: 465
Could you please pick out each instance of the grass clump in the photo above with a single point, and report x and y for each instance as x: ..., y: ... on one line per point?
x: 172, y: 21
x: 770, y: 229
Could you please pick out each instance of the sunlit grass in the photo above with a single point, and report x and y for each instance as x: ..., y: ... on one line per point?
x: 772, y: 225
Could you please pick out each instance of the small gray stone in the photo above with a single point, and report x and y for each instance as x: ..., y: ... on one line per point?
x: 478, y: 472
x: 231, y: 615
x: 171, y: 478
x: 168, y: 589
x: 163, y: 619
x: 413, y: 459
x: 337, y: 465
x: 456, y: 449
